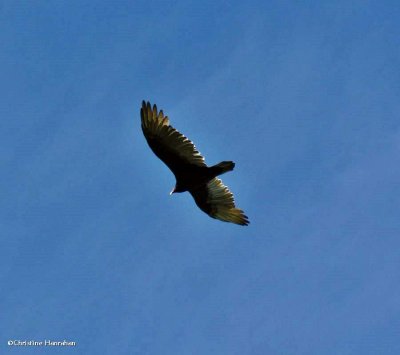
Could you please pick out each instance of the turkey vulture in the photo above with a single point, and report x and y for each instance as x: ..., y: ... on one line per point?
x: 190, y: 170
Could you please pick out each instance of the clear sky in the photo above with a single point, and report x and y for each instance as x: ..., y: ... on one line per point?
x: 303, y: 96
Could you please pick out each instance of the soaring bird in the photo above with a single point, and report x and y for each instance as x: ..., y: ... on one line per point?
x: 190, y: 170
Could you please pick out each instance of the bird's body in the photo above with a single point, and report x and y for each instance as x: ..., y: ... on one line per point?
x: 190, y: 170
x: 190, y: 177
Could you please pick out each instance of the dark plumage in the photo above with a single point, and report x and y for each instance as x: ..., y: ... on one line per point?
x: 190, y: 170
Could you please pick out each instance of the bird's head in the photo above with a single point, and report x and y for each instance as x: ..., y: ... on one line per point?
x: 177, y: 188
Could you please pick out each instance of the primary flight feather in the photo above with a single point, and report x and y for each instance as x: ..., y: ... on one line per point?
x: 190, y: 170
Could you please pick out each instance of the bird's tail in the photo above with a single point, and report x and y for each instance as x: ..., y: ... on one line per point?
x: 223, y: 167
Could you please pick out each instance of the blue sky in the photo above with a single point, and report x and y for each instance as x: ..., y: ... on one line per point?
x: 303, y: 96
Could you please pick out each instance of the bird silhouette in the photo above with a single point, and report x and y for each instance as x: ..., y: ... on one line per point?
x: 190, y: 170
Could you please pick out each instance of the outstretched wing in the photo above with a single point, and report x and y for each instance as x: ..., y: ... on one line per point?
x: 215, y: 199
x: 172, y: 147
